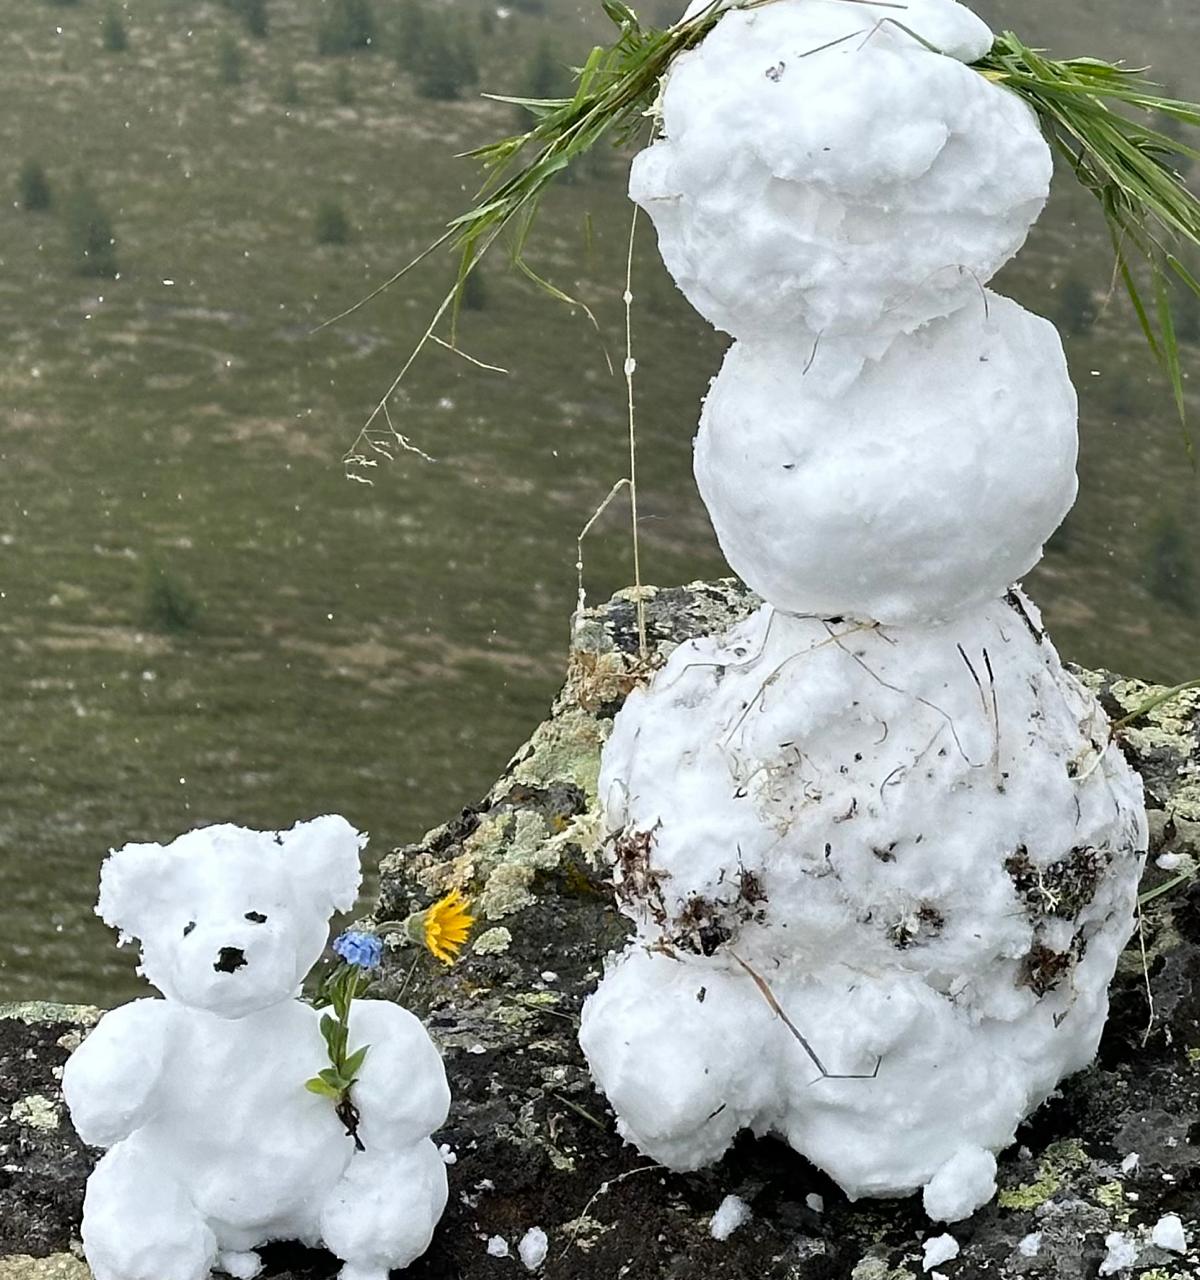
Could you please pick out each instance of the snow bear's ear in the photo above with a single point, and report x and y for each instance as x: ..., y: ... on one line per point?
x: 322, y: 858
x: 134, y: 886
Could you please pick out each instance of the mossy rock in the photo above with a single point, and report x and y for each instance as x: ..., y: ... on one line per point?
x: 534, y: 1144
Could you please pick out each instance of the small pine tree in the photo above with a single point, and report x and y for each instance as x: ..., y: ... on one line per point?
x: 331, y: 224
x: 229, y: 59
x: 1186, y: 308
x: 289, y: 89
x: 545, y: 76
x: 443, y: 73
x: 1122, y: 396
x: 1170, y: 576
x: 474, y: 291
x: 411, y: 21
x: 90, y: 238
x: 1076, y: 311
x: 113, y: 35
x: 254, y: 16
x: 1059, y: 542
x: 343, y: 87
x: 464, y: 53
x: 33, y: 187
x: 168, y: 604
x: 345, y: 25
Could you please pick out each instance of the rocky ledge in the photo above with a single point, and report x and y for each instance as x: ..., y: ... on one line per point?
x: 1094, y: 1170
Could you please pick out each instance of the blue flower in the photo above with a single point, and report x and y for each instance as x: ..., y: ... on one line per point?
x: 363, y: 950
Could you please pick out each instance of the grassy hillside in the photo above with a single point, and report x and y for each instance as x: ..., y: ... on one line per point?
x: 201, y: 618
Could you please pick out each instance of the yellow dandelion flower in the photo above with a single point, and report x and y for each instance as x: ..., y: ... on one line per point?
x: 446, y: 926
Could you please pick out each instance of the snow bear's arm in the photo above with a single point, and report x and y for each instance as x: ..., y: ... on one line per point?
x: 110, y: 1081
x: 401, y: 1094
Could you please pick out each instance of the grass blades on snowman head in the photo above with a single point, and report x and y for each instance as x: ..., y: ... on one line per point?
x: 1100, y: 117
x: 1126, y: 163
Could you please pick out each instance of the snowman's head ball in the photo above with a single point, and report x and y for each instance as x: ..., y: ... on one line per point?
x: 821, y: 170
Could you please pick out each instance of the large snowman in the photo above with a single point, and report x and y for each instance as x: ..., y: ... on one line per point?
x: 879, y: 847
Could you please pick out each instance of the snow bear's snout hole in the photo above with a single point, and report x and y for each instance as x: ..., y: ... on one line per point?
x: 230, y: 960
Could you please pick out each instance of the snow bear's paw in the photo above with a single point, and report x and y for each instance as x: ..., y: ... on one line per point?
x: 139, y: 1224
x: 381, y: 1216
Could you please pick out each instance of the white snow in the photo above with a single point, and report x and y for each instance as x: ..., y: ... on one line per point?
x: 877, y: 824
x: 533, y: 1248
x: 1169, y: 861
x: 497, y: 1247
x: 918, y: 487
x: 732, y: 1213
x: 1121, y: 1253
x: 1131, y: 1162
x: 872, y: 822
x: 821, y: 172
x: 945, y: 24
x: 815, y: 1202
x: 939, y: 1249
x: 966, y: 1181
x: 215, y: 1147
x: 1168, y: 1234
x: 1031, y: 1245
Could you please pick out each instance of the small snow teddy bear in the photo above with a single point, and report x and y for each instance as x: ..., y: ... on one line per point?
x: 215, y: 1146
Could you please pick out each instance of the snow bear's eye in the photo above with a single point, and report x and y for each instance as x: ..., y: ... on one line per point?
x: 187, y: 928
x: 256, y: 916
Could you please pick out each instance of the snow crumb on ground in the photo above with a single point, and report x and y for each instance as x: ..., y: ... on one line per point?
x: 1122, y: 1253
x: 1168, y: 1234
x: 1131, y: 1162
x: 939, y: 1249
x: 533, y: 1248
x: 815, y: 1202
x: 497, y: 1247
x: 1031, y: 1245
x: 1168, y: 861
x: 732, y: 1213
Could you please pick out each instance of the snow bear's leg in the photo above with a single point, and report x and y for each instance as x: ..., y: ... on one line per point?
x: 685, y: 1053
x: 381, y: 1216
x: 140, y: 1224
x: 242, y: 1266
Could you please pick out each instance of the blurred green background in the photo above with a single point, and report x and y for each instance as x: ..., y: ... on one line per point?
x: 202, y: 619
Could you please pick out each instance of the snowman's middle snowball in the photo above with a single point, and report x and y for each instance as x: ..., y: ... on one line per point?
x: 920, y: 486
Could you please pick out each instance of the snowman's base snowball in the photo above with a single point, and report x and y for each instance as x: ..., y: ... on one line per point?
x: 821, y: 170
x: 917, y: 844
x: 913, y: 487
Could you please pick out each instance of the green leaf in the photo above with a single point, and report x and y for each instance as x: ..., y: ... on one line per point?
x: 333, y: 1078
x: 352, y: 1064
x: 320, y: 1087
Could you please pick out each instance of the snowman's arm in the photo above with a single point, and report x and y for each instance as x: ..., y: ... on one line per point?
x: 401, y: 1092
x: 110, y: 1083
